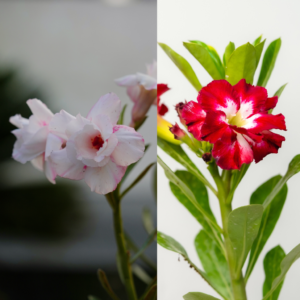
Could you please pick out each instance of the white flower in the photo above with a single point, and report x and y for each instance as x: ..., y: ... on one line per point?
x: 32, y: 137
x: 142, y: 90
x: 94, y: 148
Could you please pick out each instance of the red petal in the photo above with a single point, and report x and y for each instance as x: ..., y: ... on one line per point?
x: 219, y: 95
x: 232, y: 156
x: 161, y: 89
x: 162, y: 109
x: 194, y: 116
x: 214, y: 126
x: 270, y: 103
x: 270, y: 143
x: 253, y: 99
x: 260, y: 122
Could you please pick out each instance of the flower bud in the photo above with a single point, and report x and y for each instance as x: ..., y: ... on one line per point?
x: 179, y: 134
x: 178, y: 107
x: 206, y: 157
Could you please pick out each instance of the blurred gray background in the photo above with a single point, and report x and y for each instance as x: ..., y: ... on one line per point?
x: 67, y: 54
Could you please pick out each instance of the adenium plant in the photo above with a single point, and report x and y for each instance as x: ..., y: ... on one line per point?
x: 229, y: 127
x: 102, y: 151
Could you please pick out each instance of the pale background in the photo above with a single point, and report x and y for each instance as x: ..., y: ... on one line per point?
x: 216, y: 23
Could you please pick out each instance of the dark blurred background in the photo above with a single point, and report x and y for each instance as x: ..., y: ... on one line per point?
x: 53, y: 238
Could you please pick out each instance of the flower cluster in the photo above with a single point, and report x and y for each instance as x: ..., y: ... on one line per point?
x: 236, y: 120
x: 94, y: 148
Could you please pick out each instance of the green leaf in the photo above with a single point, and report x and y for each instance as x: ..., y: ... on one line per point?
x: 209, y: 59
x: 285, y: 265
x: 105, y: 284
x: 137, y: 180
x: 177, y: 153
x: 293, y: 169
x: 269, y: 62
x: 259, y: 48
x: 241, y: 64
x: 188, y: 193
x: 171, y: 244
x: 198, y: 296
x: 152, y: 293
x: 278, y: 94
x: 243, y: 226
x: 269, y: 219
x: 214, y: 263
x: 272, y: 263
x: 141, y: 274
x: 129, y: 168
x: 147, y: 220
x: 257, y: 41
x: 183, y: 66
x: 228, y: 51
x: 121, y: 118
x: 90, y: 297
x: 139, y: 124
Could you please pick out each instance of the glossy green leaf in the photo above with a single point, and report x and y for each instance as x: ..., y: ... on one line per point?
x: 257, y: 41
x: 183, y: 66
x: 214, y: 263
x: 121, y: 118
x: 285, y: 265
x: 228, y: 51
x: 259, y: 48
x: 272, y: 263
x: 105, y: 284
x: 278, y: 94
x: 177, y: 153
x: 188, y: 193
x: 171, y: 244
x: 269, y: 219
x: 200, y: 193
x: 241, y: 64
x: 269, y: 62
x: 207, y: 59
x: 243, y: 226
x: 198, y: 296
x: 293, y: 169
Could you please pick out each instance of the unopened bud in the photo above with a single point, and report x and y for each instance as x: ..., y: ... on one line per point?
x: 179, y: 106
x: 177, y: 131
x: 206, y: 157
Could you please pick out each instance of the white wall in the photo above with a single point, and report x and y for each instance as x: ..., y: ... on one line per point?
x: 216, y: 23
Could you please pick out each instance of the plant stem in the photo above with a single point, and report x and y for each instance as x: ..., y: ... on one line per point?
x: 123, y: 253
x: 238, y: 284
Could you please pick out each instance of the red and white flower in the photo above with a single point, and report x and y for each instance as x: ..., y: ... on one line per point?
x: 236, y: 120
x: 142, y: 90
x: 32, y: 135
x: 95, y: 148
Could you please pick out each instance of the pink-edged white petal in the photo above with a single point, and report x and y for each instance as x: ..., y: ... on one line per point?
x: 66, y: 166
x: 148, y: 82
x: 133, y: 92
x: 26, y: 150
x: 38, y: 162
x: 40, y: 111
x: 109, y: 105
x: 93, y: 163
x: 18, y: 121
x: 231, y: 156
x: 59, y: 123
x: 104, y: 179
x: 219, y: 95
x: 108, y: 147
x: 53, y: 143
x: 128, y: 80
x: 50, y: 171
x: 130, y: 147
x: 76, y: 125
x: 104, y: 125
